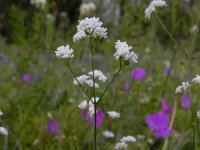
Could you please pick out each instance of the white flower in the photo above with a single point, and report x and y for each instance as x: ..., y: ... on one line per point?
x: 96, y: 99
x: 86, y: 8
x: 108, y: 134
x: 3, y: 131
x: 98, y: 74
x: 1, y: 114
x: 39, y: 3
x: 113, y: 114
x: 152, y: 7
x: 123, y: 51
x: 85, y: 79
x: 121, y: 145
x: 196, y: 79
x: 83, y: 105
x: 198, y: 114
x: 182, y: 88
x: 64, y: 52
x: 90, y: 27
x: 128, y: 139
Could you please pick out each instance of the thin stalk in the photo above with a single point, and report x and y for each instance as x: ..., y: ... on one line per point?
x: 94, y: 94
x: 115, y: 76
x: 77, y: 80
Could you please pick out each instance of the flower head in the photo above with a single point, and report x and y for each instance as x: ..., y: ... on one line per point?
x: 165, y: 107
x: 90, y: 27
x: 52, y: 127
x: 152, y: 7
x: 138, y: 74
x: 91, y: 120
x: 98, y: 74
x: 64, y: 52
x: 113, y: 114
x: 159, y: 124
x: 196, y: 79
x: 108, y: 134
x: 127, y: 86
x: 121, y: 145
x: 128, y: 139
x: 183, y: 87
x: 185, y: 101
x: 123, y: 52
x: 85, y: 79
x: 86, y: 8
x: 3, y: 131
x: 39, y: 3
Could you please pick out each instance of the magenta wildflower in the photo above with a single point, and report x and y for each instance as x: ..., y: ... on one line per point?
x: 90, y: 120
x: 165, y: 107
x: 26, y: 77
x: 52, y: 127
x: 138, y: 74
x: 159, y: 124
x: 185, y: 101
x: 127, y: 86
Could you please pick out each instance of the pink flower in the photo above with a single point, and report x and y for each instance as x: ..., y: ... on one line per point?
x: 165, y: 107
x: 127, y: 86
x: 185, y: 101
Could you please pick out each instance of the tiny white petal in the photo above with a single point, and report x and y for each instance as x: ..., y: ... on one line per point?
x: 3, y: 131
x: 83, y: 105
x: 196, y: 79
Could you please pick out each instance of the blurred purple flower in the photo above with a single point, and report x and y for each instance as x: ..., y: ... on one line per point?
x: 127, y: 86
x: 90, y: 120
x: 159, y: 124
x: 138, y: 74
x: 185, y: 101
x: 52, y: 127
x: 165, y: 107
x: 26, y: 77
x: 166, y: 70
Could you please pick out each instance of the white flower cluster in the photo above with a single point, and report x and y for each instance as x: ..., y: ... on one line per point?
x: 87, y: 79
x: 196, y: 79
x: 183, y: 87
x: 152, y: 7
x: 98, y: 74
x: 90, y: 27
x: 108, y: 134
x: 88, y: 105
x: 86, y: 8
x: 123, y: 142
x: 64, y: 52
x: 2, y: 129
x: 113, y: 114
x: 123, y: 52
x: 39, y: 3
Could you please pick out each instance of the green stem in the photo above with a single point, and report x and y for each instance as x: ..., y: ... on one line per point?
x: 115, y: 76
x: 77, y: 80
x: 94, y: 94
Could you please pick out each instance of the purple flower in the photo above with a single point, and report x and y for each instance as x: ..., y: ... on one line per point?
x: 166, y: 70
x: 159, y: 124
x: 90, y: 120
x: 52, y: 127
x: 165, y: 107
x: 138, y: 74
x: 26, y: 77
x: 185, y: 101
x: 127, y: 86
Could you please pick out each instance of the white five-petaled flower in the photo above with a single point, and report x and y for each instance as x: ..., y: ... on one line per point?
x: 64, y: 52
x: 196, y: 79
x: 108, y: 134
x: 121, y: 145
x: 90, y: 27
x: 128, y: 139
x: 152, y: 7
x: 3, y: 131
x: 123, y: 52
x: 113, y: 114
x: 183, y: 87
x: 98, y: 74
